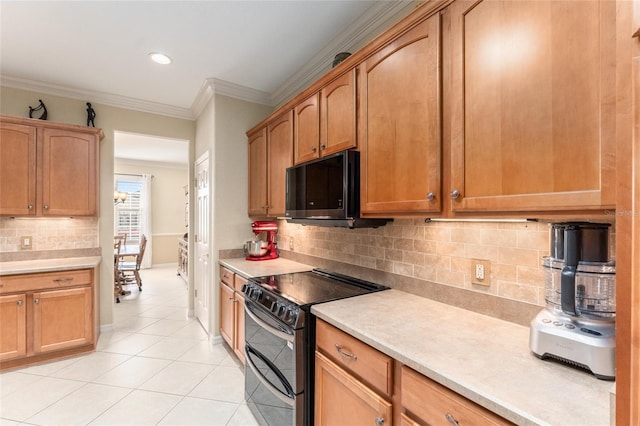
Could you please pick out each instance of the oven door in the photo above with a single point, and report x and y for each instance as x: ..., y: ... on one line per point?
x: 272, y: 389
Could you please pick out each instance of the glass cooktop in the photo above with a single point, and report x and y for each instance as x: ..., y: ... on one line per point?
x: 317, y: 286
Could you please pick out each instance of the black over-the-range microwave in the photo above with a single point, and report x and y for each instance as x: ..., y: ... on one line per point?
x: 326, y: 192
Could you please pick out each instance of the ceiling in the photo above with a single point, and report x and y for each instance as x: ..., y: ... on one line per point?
x: 265, y: 51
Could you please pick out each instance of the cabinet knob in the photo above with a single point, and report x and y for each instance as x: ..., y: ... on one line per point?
x: 19, y: 303
x: 452, y: 420
x: 455, y: 194
x: 30, y: 206
x: 323, y: 146
x: 313, y: 149
x: 379, y: 421
x: 431, y: 196
x: 36, y: 301
x: 46, y: 207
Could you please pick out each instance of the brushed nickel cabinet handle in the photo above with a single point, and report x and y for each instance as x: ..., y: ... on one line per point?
x: 431, y: 196
x: 63, y: 280
x: 46, y: 207
x: 455, y: 194
x: 452, y: 420
x: 346, y: 354
x: 36, y: 301
x: 379, y: 421
x: 313, y: 149
x: 323, y: 146
x: 19, y: 303
x: 30, y: 206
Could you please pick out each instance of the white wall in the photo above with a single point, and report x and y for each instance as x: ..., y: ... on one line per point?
x: 221, y: 129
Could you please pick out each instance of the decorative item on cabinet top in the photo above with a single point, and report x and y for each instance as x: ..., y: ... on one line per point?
x: 40, y: 107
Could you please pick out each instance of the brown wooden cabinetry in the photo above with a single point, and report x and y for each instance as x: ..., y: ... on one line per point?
x: 232, y: 311
x: 48, y: 169
x: 279, y: 157
x: 399, y: 124
x: 258, y: 202
x: 46, y: 315
x: 431, y: 403
x: 325, y: 123
x: 353, y: 381
x: 533, y: 106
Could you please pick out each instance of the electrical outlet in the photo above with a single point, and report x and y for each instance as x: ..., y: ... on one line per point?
x: 291, y: 243
x: 480, y: 272
x: 26, y: 242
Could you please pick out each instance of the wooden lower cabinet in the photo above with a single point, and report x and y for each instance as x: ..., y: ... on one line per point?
x: 341, y: 399
x: 231, y: 310
x: 46, y: 315
x: 431, y: 403
x: 13, y: 323
x: 356, y: 384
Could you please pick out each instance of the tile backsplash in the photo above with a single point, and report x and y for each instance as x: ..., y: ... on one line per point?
x: 48, y: 233
x: 438, y: 252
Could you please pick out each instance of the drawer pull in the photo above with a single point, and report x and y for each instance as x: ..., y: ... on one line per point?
x: 452, y: 420
x: 346, y: 354
x: 379, y: 421
x: 63, y: 280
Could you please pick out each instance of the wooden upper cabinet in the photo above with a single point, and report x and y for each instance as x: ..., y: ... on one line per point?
x: 306, y: 139
x: 70, y: 173
x: 338, y: 114
x: 17, y: 169
x: 48, y: 169
x: 532, y: 95
x: 325, y: 123
x: 280, y: 156
x: 258, y: 173
x: 399, y: 124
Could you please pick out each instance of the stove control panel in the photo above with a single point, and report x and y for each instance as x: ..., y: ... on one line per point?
x: 279, y: 307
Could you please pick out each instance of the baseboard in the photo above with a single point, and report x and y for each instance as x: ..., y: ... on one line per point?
x: 107, y: 328
x: 216, y: 340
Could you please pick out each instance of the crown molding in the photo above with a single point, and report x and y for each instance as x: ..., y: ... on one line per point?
x: 97, y: 97
x: 215, y: 86
x: 367, y: 26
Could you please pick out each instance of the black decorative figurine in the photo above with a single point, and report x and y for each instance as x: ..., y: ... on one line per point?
x: 91, y: 115
x: 43, y: 116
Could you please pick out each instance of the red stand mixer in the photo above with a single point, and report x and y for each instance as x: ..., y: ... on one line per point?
x: 259, y: 249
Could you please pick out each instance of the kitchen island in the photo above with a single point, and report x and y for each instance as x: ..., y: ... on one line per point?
x: 484, y: 359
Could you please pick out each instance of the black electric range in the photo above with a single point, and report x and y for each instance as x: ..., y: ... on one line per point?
x: 280, y: 340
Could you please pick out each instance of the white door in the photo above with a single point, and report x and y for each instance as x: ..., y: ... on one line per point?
x: 202, y: 270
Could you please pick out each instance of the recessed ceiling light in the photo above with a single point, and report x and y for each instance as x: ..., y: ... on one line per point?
x: 160, y: 58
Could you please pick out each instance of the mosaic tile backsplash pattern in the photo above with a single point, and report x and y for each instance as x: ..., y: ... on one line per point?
x: 49, y: 234
x: 438, y: 252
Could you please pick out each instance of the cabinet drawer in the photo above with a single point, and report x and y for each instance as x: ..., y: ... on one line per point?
x: 435, y: 404
x: 238, y: 282
x: 368, y: 364
x: 26, y: 282
x: 226, y: 276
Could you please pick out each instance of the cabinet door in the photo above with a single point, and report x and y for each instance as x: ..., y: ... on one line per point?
x: 533, y: 105
x: 399, y: 126
x: 340, y: 399
x: 238, y: 346
x: 13, y: 323
x: 69, y: 173
x: 258, y: 173
x: 226, y: 313
x: 306, y: 138
x: 62, y: 319
x: 338, y: 114
x: 280, y: 155
x: 17, y: 169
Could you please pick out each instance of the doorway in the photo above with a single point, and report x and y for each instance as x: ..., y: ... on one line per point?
x: 202, y: 280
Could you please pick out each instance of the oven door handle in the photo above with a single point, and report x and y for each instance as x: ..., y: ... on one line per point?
x: 289, y: 397
x: 270, y: 329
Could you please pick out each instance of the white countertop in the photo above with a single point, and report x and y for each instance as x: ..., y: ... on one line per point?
x: 485, y: 359
x: 48, y: 265
x: 259, y: 268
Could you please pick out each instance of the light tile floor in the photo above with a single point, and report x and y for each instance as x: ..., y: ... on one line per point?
x: 156, y: 368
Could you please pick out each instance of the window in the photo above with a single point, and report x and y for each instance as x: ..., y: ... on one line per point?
x: 128, y: 215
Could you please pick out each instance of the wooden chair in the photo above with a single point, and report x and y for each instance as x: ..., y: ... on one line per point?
x: 117, y: 279
x: 122, y: 238
x: 130, y: 271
